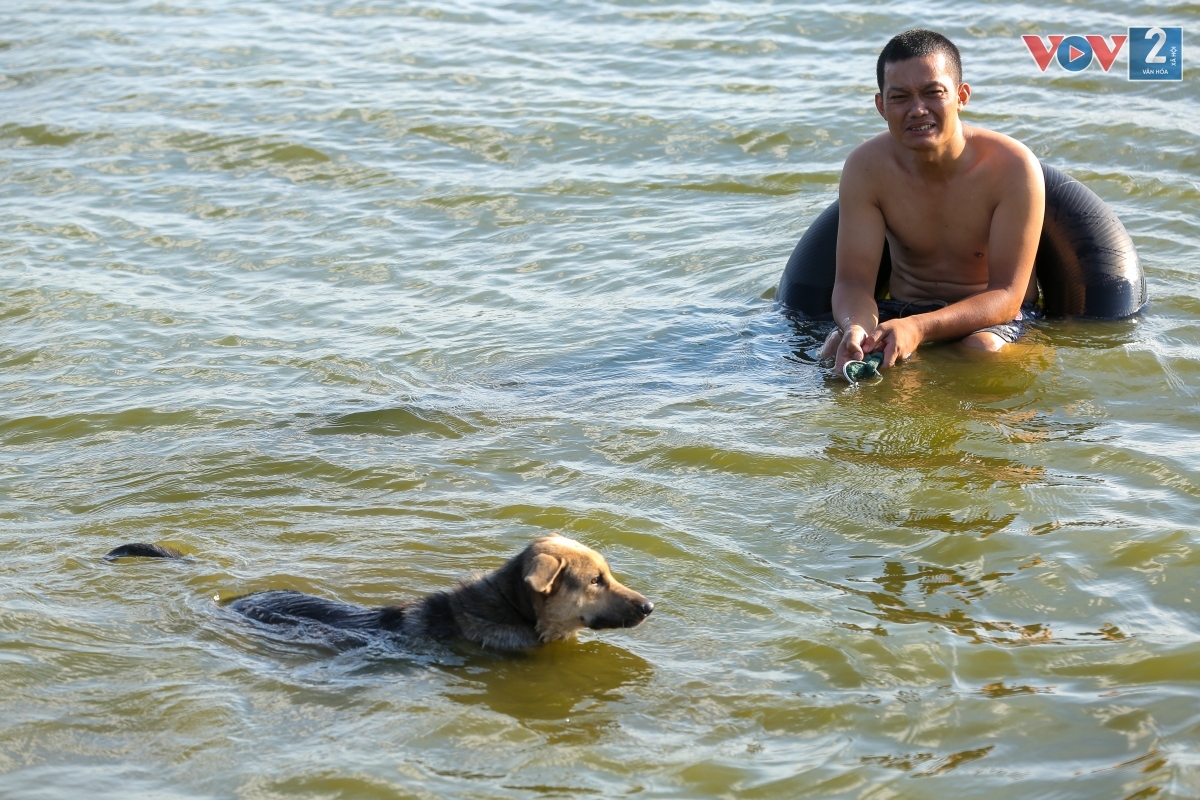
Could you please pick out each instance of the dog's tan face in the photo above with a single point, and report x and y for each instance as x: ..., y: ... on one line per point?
x: 572, y: 588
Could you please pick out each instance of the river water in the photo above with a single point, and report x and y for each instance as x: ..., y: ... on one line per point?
x: 358, y: 296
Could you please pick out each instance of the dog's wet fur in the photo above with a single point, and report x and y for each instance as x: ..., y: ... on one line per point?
x: 547, y: 592
x: 142, y: 550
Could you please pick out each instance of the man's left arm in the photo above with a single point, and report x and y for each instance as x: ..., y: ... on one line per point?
x: 1012, y: 245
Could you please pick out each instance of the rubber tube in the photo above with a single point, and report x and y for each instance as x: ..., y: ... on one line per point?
x: 1086, y: 264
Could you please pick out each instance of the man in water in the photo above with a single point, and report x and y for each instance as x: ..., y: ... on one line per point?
x: 960, y: 207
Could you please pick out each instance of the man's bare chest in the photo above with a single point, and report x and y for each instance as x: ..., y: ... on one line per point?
x: 945, y: 222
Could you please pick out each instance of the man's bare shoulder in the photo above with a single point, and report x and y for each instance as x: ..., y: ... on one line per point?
x: 868, y: 164
x: 1000, y: 151
x: 873, y: 153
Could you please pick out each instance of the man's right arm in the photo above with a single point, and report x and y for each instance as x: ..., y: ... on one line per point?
x: 861, y: 232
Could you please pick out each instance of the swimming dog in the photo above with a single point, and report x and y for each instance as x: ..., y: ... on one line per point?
x: 547, y: 592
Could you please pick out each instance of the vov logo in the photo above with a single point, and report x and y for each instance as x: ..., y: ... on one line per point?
x: 1155, y: 54
x: 1074, y: 53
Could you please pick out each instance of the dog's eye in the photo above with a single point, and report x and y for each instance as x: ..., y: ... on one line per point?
x: 598, y: 580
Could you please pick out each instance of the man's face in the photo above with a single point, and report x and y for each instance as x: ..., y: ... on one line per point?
x: 920, y: 101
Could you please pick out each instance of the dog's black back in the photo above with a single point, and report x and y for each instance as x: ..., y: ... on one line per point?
x: 284, y: 607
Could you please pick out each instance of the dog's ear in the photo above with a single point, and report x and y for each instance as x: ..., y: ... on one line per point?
x: 542, y: 572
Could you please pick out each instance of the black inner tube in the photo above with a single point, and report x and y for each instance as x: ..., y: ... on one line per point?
x: 1086, y: 264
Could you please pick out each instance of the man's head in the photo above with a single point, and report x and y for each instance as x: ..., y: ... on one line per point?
x: 918, y: 43
x: 921, y: 91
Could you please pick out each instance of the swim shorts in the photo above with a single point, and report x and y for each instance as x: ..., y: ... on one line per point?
x: 1008, y: 331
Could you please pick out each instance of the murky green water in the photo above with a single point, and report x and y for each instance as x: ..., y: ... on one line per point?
x: 356, y: 297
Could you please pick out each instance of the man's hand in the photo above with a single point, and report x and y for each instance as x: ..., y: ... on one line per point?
x: 897, y: 338
x: 851, y: 346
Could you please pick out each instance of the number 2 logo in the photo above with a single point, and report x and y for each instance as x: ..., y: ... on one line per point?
x: 1153, y: 57
x: 1156, y: 53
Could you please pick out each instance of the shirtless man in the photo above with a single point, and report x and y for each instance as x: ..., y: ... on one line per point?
x: 960, y: 207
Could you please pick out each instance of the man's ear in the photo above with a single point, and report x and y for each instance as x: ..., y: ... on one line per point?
x: 964, y: 94
x: 542, y: 572
x: 879, y: 105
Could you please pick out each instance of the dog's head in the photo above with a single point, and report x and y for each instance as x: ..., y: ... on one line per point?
x: 572, y: 588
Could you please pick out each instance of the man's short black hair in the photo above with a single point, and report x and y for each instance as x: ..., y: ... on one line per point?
x: 918, y: 43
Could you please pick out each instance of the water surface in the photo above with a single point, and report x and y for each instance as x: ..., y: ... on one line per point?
x: 358, y: 297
